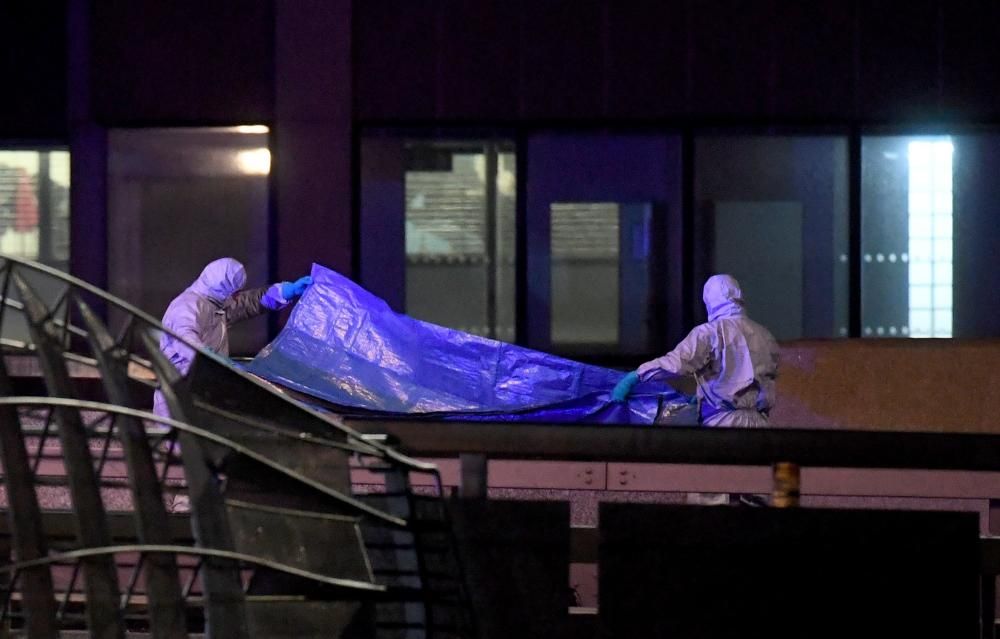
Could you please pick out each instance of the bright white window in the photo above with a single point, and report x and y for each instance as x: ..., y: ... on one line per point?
x: 930, y: 237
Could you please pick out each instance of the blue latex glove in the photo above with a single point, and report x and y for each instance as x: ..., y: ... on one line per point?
x: 624, y: 387
x: 291, y: 290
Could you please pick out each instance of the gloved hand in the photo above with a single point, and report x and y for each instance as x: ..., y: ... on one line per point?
x: 291, y: 290
x: 624, y: 387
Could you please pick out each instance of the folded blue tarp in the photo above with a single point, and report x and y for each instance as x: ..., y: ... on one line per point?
x: 347, y: 347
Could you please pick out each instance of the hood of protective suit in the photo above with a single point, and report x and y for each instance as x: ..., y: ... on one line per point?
x: 220, y: 279
x: 722, y: 297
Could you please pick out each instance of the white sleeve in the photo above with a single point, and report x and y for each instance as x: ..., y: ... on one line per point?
x: 687, y: 358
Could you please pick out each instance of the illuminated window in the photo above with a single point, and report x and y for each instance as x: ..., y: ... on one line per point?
x: 179, y: 198
x: 585, y: 272
x: 907, y: 236
x: 930, y: 237
x: 459, y: 233
x: 773, y: 212
x: 34, y: 205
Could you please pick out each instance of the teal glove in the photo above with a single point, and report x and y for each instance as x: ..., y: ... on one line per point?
x: 291, y: 290
x: 624, y: 387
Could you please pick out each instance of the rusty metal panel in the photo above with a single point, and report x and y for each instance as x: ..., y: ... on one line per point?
x: 301, y: 539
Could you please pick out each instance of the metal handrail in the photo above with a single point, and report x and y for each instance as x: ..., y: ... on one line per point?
x: 209, y: 436
x: 83, y: 553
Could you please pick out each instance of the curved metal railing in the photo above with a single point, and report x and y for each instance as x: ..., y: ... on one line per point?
x: 239, y: 441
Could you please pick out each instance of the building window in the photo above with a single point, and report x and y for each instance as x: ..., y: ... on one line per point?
x: 930, y: 237
x: 772, y: 212
x: 438, y: 230
x: 908, y: 236
x: 179, y: 198
x: 603, y: 243
x: 460, y: 234
x: 585, y: 274
x: 34, y: 205
x: 606, y: 253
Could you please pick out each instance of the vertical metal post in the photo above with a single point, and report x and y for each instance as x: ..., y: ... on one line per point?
x: 88, y: 146
x: 785, y: 492
x: 474, y: 479
x: 25, y: 519
x: 44, y: 186
x: 100, y: 579
x: 988, y: 582
x: 152, y: 526
x: 490, y: 239
x: 407, y: 554
x: 689, y: 261
x: 521, y: 299
x: 221, y: 582
x: 988, y: 603
x: 854, y: 222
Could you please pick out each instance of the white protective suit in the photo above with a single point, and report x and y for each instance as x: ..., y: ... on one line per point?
x: 203, y: 313
x: 733, y: 359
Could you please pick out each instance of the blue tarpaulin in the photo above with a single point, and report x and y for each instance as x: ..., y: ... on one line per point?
x: 346, y: 346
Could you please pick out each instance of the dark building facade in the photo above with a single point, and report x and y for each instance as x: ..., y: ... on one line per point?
x: 596, y: 157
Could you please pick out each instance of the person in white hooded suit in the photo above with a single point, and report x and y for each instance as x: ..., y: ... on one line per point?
x: 733, y: 359
x: 204, y: 311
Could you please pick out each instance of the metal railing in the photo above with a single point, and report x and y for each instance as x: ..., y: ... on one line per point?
x: 266, y: 480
